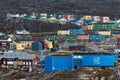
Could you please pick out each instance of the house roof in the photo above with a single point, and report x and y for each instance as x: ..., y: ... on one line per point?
x: 2, y: 34
x: 22, y: 32
x: 19, y: 55
x: 6, y: 39
x: 92, y: 53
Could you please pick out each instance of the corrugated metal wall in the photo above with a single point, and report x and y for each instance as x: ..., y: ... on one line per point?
x: 92, y: 60
x: 58, y: 63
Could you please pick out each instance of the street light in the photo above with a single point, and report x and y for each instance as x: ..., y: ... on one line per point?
x: 40, y: 27
x: 41, y: 52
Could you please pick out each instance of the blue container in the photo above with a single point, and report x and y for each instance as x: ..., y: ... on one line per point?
x: 35, y: 46
x: 95, y: 60
x: 58, y: 63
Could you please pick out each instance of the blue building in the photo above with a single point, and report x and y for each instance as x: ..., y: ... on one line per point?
x: 89, y: 22
x: 98, y: 60
x: 88, y: 59
x: 76, y: 31
x: 96, y: 37
x: 55, y: 63
x: 36, y: 44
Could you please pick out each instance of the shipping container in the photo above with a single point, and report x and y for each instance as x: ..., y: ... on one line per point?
x: 63, y: 32
x: 75, y: 31
x: 95, y: 60
x: 58, y: 63
x: 95, y: 37
x: 83, y: 37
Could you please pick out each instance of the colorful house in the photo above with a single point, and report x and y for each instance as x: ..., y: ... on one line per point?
x: 19, y: 59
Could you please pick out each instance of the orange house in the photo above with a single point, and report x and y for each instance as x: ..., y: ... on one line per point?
x: 83, y: 37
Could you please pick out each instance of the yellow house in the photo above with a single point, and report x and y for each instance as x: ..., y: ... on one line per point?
x: 52, y: 19
x: 62, y: 20
x: 63, y: 32
x: 105, y: 33
x: 87, y: 17
x: 27, y: 44
x: 48, y: 44
x: 90, y: 27
x: 14, y: 43
x: 20, y: 46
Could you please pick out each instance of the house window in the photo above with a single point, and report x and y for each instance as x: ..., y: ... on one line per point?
x: 35, y: 63
x: 29, y: 63
x: 26, y: 63
x: 4, y: 62
x: 23, y: 63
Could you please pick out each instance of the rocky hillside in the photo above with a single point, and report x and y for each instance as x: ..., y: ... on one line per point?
x: 109, y: 8
x: 93, y: 7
